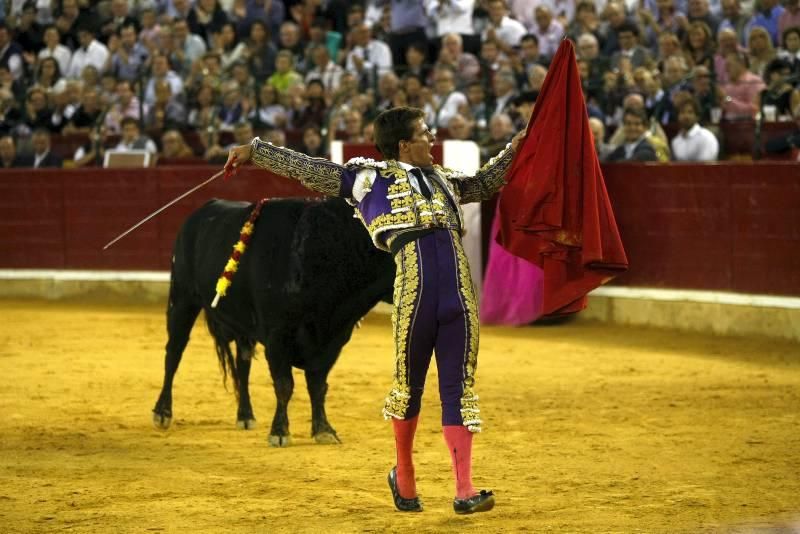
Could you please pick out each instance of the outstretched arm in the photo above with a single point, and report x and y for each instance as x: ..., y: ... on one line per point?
x: 491, y: 177
x: 318, y: 174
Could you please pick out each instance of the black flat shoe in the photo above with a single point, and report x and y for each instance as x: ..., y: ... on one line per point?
x: 401, y: 503
x: 482, y: 502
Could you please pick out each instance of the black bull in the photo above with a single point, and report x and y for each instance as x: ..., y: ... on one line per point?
x: 308, y: 275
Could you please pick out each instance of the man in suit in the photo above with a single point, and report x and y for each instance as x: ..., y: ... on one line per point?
x: 42, y: 155
x: 636, y: 146
x: 411, y: 209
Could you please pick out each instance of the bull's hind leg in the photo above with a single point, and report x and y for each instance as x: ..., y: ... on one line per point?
x: 321, y: 429
x: 244, y: 416
x: 281, y: 371
x: 180, y: 319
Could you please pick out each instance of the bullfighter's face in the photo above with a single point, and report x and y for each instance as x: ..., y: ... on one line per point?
x: 417, y: 150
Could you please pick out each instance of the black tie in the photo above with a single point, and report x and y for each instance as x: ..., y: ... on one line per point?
x: 423, y: 185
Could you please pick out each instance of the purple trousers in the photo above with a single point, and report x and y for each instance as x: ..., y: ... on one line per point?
x: 435, y: 309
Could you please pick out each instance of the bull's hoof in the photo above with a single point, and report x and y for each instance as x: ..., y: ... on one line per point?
x: 161, y: 421
x: 327, y: 438
x: 246, y: 424
x: 279, y: 441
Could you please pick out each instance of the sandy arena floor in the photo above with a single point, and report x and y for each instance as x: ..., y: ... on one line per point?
x: 588, y: 429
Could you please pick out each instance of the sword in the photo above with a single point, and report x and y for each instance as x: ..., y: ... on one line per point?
x: 162, y: 208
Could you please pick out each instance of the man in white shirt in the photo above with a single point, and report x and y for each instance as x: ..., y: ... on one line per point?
x: 451, y: 16
x: 547, y: 30
x: 53, y: 48
x: 693, y: 142
x: 91, y: 52
x: 325, y: 70
x: 446, y: 100
x: 501, y: 28
x: 367, y: 54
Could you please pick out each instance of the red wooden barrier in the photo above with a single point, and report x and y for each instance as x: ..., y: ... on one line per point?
x: 733, y: 227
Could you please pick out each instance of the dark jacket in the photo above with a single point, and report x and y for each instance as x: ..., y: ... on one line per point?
x: 644, y: 151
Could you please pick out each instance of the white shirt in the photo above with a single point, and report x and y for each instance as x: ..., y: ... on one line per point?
x: 697, y: 144
x: 60, y: 53
x: 330, y: 76
x: 549, y: 39
x: 375, y: 54
x: 455, y: 17
x: 509, y: 31
x: 445, y: 108
x: 149, y: 146
x: 96, y: 54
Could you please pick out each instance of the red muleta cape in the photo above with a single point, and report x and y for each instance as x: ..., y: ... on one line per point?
x: 555, y: 210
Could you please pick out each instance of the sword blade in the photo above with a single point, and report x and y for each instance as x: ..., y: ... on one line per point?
x: 162, y: 208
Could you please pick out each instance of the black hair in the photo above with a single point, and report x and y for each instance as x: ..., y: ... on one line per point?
x: 395, y: 125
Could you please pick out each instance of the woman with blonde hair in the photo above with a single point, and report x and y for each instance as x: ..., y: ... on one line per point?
x: 759, y: 50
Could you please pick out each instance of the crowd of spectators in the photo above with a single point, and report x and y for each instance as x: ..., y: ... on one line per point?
x: 189, y: 79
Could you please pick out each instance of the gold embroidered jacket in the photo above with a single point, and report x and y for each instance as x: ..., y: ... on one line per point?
x: 384, y: 199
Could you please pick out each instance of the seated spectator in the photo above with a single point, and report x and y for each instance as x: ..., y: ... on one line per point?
x: 48, y: 76
x: 476, y: 109
x: 504, y: 86
x: 629, y: 47
x: 742, y: 90
x: 161, y: 71
x: 636, y: 146
x: 28, y: 33
x: 598, y: 129
x: 464, y: 65
x: 502, y: 29
x: 445, y: 100
x: 205, y: 18
x: 707, y: 94
x: 416, y: 57
x: 584, y: 22
x: 318, y: 33
x: 312, y: 143
x: 324, y: 70
x: 536, y: 76
x: 232, y: 108
x: 240, y: 74
x: 791, y: 48
x: 226, y: 43
x: 461, y: 129
x: 527, y: 57
x: 37, y: 112
x: 91, y: 52
x: 388, y: 85
x: 547, y: 29
x: 174, y: 146
x: 655, y: 133
x: 8, y: 153
x: 128, y: 55
x: 779, y: 93
x: 269, y: 113
x: 54, y: 49
x: 367, y: 56
x: 699, y: 44
x: 727, y: 43
x: 126, y: 106
x: 203, y: 113
x: 132, y: 138
x: 187, y: 47
x: 88, y: 114
x: 167, y: 111
x: 11, y: 53
x: 309, y: 108
x: 284, y: 76
x: 262, y: 52
x: 119, y: 17
x: 412, y: 86
x: 523, y: 108
x: 150, y: 31
x: 759, y: 51
x: 242, y: 134
x: 501, y: 130
x: 693, y: 142
x: 42, y: 155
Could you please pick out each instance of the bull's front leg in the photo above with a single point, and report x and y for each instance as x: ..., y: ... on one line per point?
x: 281, y: 371
x: 321, y: 429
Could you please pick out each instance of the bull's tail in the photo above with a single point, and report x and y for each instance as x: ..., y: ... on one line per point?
x: 223, y: 337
